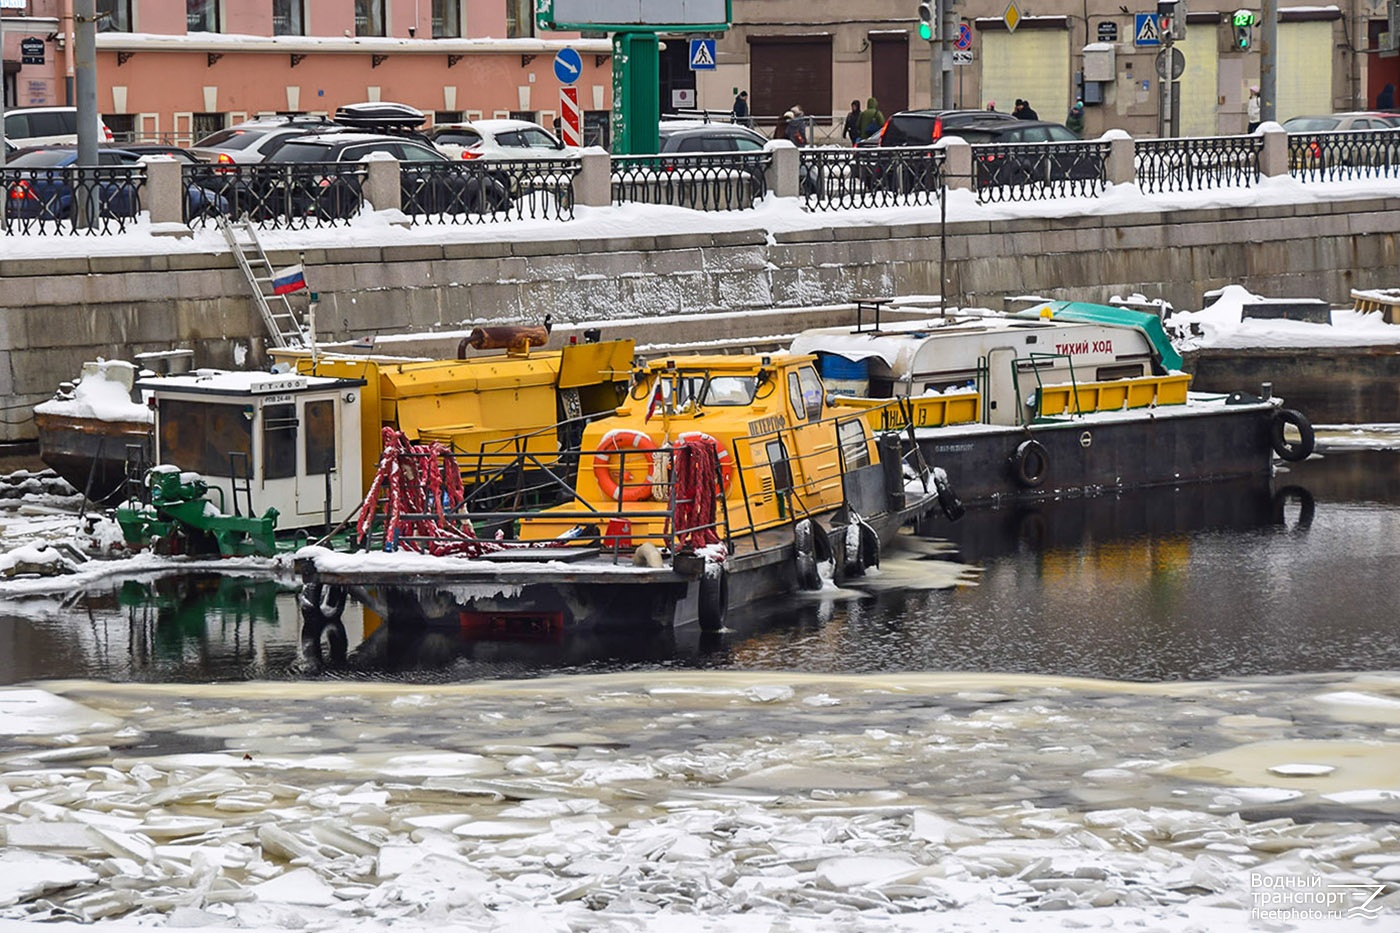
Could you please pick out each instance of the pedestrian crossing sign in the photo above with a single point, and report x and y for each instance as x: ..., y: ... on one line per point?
x: 702, y: 54
x: 1146, y: 30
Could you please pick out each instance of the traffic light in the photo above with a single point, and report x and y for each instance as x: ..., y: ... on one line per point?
x: 1244, y: 26
x: 926, y: 20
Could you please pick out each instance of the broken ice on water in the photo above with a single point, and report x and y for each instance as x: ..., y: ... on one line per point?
x: 739, y: 801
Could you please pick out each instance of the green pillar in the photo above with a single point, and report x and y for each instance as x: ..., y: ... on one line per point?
x: 636, y: 93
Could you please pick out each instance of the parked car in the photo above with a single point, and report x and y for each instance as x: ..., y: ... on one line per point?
x: 429, y: 183
x: 252, y: 140
x: 913, y: 128
x: 694, y: 136
x: 44, y: 190
x: 1343, y: 122
x: 1314, y: 150
x: 1027, y: 167
x: 44, y: 126
x: 498, y: 139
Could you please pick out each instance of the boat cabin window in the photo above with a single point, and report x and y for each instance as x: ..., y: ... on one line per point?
x: 731, y: 390
x: 855, y: 452
x: 778, y: 463
x: 805, y: 394
x: 279, y: 441
x: 320, y: 436
x: 201, y: 437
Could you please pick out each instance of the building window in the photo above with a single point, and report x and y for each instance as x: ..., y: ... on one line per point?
x: 202, y: 124
x: 122, y: 125
x: 520, y: 19
x: 370, y: 18
x: 114, y: 15
x: 447, y: 19
x: 288, y: 18
x: 201, y: 15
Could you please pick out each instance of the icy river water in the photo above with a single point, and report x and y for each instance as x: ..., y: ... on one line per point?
x: 1171, y: 711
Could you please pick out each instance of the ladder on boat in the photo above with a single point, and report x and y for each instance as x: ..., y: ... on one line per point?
x: 284, y: 324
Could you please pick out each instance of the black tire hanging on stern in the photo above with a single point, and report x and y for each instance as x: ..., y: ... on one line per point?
x: 1292, y: 451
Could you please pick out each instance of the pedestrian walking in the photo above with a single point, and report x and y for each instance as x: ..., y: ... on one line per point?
x: 871, y: 119
x: 741, y: 109
x: 1074, y: 122
x: 1024, y: 111
x: 1252, y: 108
x: 851, y: 130
x: 991, y: 106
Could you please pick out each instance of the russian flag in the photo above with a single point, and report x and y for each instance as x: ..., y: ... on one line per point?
x: 288, y: 280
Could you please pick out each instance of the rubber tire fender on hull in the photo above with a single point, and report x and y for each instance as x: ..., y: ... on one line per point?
x: 714, y: 599
x: 1030, y: 463
x: 1292, y: 451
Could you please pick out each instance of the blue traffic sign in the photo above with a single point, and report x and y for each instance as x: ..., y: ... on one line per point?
x: 568, y: 66
x: 964, y: 40
x: 1146, y: 31
x: 702, y: 54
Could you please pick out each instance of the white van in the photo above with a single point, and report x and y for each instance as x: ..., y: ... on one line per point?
x: 47, y: 126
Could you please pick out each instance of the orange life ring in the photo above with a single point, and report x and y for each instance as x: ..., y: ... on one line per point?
x: 620, y: 439
x: 726, y: 463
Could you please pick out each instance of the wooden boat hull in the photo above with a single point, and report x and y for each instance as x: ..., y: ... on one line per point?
x: 1164, y: 447
x: 90, y: 454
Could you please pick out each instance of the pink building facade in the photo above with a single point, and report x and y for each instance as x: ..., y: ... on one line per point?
x: 176, y: 70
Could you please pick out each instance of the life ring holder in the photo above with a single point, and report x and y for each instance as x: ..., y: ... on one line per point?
x: 726, y: 462
x: 1292, y: 451
x: 1030, y: 463
x: 617, y: 441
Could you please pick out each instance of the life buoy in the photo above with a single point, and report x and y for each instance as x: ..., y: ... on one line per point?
x: 619, y: 440
x: 1288, y: 449
x: 726, y: 463
x: 1030, y: 463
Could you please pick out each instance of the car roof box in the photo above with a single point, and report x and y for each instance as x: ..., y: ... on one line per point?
x: 379, y: 115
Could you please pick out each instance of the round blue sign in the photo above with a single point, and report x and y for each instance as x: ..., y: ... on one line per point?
x: 568, y: 66
x: 964, y: 40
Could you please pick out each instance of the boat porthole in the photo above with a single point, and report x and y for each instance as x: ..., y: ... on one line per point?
x: 1086, y: 440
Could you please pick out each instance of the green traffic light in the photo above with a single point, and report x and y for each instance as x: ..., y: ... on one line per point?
x: 925, y: 31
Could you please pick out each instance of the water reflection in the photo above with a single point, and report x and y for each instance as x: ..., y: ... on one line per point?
x: 1194, y: 583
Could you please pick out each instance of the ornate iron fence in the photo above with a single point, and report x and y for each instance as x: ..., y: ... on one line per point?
x: 705, y: 182
x: 1344, y: 156
x: 72, y: 201
x: 1197, y: 164
x: 289, y: 195
x: 835, y: 179
x: 1039, y: 171
x: 488, y: 192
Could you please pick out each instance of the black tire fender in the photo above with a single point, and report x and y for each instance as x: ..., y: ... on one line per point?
x: 948, y: 500
x: 713, y: 598
x: 1030, y: 463
x: 1287, y: 449
x: 808, y: 577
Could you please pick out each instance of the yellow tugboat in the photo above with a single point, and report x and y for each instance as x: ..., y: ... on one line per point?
x: 721, y: 481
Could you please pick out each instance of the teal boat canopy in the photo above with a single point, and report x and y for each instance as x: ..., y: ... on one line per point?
x: 1149, y: 324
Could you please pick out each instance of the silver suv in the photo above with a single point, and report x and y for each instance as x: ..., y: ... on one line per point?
x: 252, y: 140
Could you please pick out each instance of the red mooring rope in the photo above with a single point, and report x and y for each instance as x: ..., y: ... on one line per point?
x: 420, y: 479
x: 696, y: 478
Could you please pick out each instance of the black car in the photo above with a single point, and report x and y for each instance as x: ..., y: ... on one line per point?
x: 301, y: 181
x: 913, y: 128
x: 690, y: 136
x: 1049, y: 163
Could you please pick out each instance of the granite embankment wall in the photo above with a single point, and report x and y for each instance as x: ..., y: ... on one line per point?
x: 57, y: 313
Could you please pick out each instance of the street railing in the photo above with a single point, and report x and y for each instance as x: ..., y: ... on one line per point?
x: 114, y: 199
x: 1344, y: 156
x: 1197, y: 164
x: 707, y: 182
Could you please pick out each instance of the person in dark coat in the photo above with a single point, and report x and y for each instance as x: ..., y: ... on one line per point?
x: 1385, y: 100
x: 1023, y: 110
x: 871, y: 119
x: 741, y: 109
x: 851, y: 130
x: 1075, y: 121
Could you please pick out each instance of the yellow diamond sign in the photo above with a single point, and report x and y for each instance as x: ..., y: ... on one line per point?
x: 1012, y: 16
